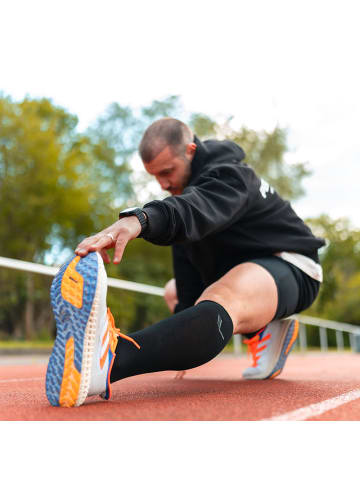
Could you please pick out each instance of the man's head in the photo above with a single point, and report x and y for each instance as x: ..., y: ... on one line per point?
x: 167, y: 149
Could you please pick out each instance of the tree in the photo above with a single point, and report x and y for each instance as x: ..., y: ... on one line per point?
x: 339, y: 294
x: 56, y: 184
x: 264, y: 152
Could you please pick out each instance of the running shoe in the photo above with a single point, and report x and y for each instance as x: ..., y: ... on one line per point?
x: 270, y: 348
x: 84, y: 349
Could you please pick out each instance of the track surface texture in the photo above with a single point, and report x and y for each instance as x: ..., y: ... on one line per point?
x: 327, y: 383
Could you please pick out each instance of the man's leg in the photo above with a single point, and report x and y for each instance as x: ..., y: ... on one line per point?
x: 170, y: 295
x: 84, y: 361
x: 254, y: 294
x: 249, y: 294
x: 245, y: 299
x: 185, y: 340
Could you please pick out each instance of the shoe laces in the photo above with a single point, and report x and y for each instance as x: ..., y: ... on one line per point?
x: 253, y: 345
x: 115, y: 332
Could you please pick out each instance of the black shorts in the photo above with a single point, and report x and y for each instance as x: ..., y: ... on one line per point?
x: 296, y: 290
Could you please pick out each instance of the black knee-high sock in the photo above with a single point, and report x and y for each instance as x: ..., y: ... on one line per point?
x: 249, y: 335
x: 185, y: 340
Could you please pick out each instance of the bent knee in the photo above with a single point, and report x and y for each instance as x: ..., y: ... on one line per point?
x: 221, y: 294
x: 170, y: 294
x: 218, y: 291
x: 211, y: 296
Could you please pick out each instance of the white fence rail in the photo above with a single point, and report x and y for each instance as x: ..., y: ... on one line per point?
x: 52, y: 270
x: 341, y: 329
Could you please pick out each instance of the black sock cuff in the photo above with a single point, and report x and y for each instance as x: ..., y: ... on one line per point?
x: 226, y: 327
x: 219, y: 307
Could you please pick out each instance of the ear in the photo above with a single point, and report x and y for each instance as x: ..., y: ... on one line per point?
x: 190, y: 149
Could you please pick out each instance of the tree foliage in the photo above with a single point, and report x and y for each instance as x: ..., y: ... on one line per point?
x: 56, y: 187
x: 339, y: 294
x: 54, y: 182
x: 59, y: 185
x: 264, y: 151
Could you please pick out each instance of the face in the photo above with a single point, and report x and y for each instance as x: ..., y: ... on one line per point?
x: 172, y: 172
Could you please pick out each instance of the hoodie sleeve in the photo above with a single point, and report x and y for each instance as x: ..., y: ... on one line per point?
x: 219, y: 198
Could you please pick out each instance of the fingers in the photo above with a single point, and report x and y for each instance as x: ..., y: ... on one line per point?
x: 119, y: 249
x: 81, y: 248
x: 100, y: 242
x: 105, y: 241
x: 105, y: 256
x: 115, y: 236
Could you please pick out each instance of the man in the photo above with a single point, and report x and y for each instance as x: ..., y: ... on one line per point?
x: 243, y: 263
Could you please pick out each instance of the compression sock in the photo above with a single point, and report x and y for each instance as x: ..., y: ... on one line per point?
x: 250, y: 335
x: 185, y: 340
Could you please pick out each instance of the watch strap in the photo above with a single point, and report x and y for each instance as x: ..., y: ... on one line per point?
x: 139, y: 214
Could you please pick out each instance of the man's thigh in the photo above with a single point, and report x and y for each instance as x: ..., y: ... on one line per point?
x: 248, y: 292
x: 256, y: 292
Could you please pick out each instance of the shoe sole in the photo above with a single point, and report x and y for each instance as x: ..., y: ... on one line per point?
x: 75, y: 301
x: 287, y: 346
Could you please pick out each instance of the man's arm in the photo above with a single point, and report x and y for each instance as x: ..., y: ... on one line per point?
x: 221, y: 196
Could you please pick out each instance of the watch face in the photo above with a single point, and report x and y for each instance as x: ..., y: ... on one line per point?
x: 127, y: 210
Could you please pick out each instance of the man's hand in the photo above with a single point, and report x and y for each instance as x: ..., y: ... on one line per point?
x: 115, y: 236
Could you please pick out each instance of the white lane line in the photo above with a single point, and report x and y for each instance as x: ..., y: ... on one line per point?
x: 22, y: 380
x: 316, y: 409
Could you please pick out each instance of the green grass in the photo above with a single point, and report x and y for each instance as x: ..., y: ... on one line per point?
x: 19, y: 344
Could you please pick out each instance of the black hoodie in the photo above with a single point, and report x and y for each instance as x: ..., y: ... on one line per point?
x: 226, y: 215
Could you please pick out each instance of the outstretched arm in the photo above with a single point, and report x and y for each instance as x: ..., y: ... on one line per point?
x: 115, y: 236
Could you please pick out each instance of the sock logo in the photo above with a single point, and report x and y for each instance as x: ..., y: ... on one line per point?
x: 219, y: 323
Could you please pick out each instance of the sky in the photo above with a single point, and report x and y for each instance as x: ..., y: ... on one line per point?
x: 289, y: 63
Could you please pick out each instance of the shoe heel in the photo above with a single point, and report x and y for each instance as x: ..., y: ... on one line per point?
x: 290, y: 339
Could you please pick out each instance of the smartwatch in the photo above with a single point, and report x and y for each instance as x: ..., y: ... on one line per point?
x: 136, y: 211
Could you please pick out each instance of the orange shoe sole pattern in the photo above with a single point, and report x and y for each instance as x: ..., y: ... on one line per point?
x: 290, y: 339
x: 72, y: 295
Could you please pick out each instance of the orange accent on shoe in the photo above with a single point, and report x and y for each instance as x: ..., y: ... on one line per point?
x: 275, y: 374
x: 105, y: 335
x: 253, y: 345
x: 103, y: 358
x: 71, y: 378
x: 115, y: 332
x: 72, y: 284
x: 293, y: 338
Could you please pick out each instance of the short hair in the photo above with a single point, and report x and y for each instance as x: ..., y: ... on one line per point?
x: 165, y: 132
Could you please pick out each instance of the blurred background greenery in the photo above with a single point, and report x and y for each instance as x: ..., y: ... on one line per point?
x: 59, y: 185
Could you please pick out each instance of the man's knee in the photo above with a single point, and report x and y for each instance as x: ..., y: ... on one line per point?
x: 170, y: 294
x: 215, y: 292
x: 221, y: 294
x: 248, y: 293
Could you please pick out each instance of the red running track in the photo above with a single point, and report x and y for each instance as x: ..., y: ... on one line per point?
x: 214, y: 391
